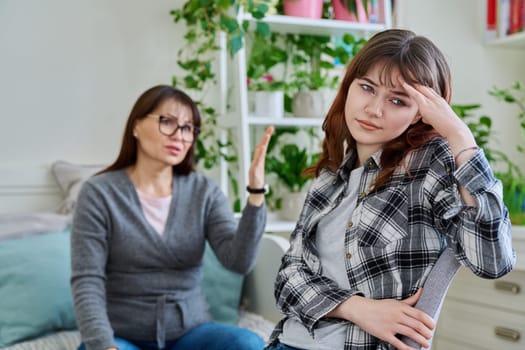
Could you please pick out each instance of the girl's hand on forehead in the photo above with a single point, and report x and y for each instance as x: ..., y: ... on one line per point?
x: 433, y: 109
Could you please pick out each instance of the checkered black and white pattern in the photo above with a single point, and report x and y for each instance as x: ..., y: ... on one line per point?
x: 395, y: 235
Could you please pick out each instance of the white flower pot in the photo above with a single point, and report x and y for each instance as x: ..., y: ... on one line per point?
x: 312, y: 103
x: 291, y: 205
x: 269, y: 104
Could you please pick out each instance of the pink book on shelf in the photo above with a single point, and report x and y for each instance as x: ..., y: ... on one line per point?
x: 515, y: 16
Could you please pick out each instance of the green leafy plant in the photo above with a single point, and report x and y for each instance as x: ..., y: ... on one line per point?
x: 481, y: 128
x: 206, y: 21
x: 508, y: 172
x: 314, y: 58
x: 513, y: 178
x: 288, y: 160
x: 266, y: 52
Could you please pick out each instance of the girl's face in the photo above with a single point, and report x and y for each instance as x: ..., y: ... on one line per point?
x: 157, y: 147
x: 376, y: 113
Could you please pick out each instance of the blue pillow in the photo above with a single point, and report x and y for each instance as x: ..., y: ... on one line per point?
x: 35, y: 295
x: 222, y: 289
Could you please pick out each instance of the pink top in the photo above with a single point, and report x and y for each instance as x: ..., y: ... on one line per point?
x: 155, y: 210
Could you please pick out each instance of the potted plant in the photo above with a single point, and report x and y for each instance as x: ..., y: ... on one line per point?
x: 205, y: 22
x: 287, y: 161
x: 303, y: 8
x: 313, y: 61
x: 268, y: 92
x: 351, y: 10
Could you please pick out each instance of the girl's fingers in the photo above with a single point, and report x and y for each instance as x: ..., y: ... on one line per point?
x: 412, y: 300
x: 414, y: 335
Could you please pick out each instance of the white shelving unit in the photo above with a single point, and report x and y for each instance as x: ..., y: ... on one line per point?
x: 237, y: 115
x: 516, y: 41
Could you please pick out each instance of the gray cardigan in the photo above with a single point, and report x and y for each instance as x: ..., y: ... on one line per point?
x: 128, y: 279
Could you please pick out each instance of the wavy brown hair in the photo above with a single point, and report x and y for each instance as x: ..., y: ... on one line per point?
x: 145, y: 104
x: 419, y: 61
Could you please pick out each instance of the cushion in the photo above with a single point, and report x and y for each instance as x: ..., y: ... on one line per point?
x: 70, y: 178
x: 25, y: 224
x: 34, y: 287
x: 222, y: 289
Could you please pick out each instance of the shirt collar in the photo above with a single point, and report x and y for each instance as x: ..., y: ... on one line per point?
x: 371, y: 164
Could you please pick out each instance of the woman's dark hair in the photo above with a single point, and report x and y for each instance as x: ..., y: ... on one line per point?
x: 145, y: 104
x: 419, y: 61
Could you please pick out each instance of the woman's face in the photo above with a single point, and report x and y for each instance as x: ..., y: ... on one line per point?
x: 376, y: 113
x: 154, y: 145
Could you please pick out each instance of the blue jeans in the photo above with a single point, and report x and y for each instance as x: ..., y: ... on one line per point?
x: 280, y: 346
x: 207, y: 336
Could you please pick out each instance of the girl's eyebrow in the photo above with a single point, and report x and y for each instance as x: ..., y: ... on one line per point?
x: 370, y: 81
x: 395, y: 92
x: 400, y: 93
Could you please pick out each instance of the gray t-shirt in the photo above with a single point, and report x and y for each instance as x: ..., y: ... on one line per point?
x: 330, y: 242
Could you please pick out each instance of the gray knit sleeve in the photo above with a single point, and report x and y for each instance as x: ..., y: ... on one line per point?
x: 89, y: 250
x: 235, y: 243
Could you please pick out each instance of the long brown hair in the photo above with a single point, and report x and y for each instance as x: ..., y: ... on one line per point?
x: 145, y: 104
x: 418, y: 61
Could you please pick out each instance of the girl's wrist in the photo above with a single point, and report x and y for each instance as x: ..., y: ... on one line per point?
x: 465, y: 153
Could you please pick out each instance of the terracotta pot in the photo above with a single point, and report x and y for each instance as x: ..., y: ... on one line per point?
x: 303, y: 8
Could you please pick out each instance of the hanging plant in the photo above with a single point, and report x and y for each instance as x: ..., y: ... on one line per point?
x: 205, y: 21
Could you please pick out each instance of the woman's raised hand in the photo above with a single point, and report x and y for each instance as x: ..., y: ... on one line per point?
x: 256, y: 176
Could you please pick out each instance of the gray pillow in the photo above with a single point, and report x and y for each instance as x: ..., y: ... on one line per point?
x: 27, y: 224
x: 70, y: 178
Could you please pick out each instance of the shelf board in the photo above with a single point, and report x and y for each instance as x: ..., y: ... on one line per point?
x: 510, y: 41
x: 280, y: 226
x: 285, y: 121
x: 274, y: 223
x: 299, y: 25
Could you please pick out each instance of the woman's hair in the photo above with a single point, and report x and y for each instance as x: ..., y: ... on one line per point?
x: 419, y: 61
x: 145, y: 104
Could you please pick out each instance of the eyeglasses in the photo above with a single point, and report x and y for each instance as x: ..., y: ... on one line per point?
x: 168, y: 126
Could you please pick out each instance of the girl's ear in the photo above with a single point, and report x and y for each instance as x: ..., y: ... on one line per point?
x: 417, y: 118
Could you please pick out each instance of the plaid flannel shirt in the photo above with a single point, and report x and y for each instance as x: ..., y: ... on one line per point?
x: 395, y: 235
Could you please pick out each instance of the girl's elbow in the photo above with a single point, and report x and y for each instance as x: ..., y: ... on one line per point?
x: 502, y: 266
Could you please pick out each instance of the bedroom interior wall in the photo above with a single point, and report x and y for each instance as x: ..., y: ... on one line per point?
x: 70, y: 71
x: 457, y: 28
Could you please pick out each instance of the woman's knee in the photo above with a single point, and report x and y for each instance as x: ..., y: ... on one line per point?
x: 247, y: 340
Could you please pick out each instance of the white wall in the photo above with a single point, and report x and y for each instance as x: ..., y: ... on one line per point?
x: 71, y: 70
x: 457, y: 28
